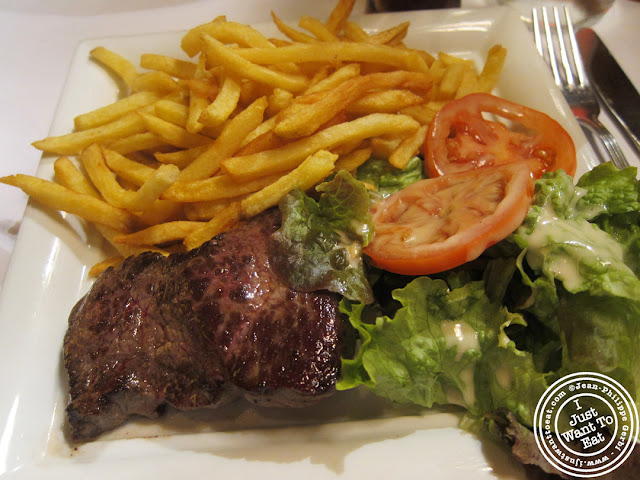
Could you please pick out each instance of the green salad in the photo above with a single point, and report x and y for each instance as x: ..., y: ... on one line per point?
x: 559, y: 295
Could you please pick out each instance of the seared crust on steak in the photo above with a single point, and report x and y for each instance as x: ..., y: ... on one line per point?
x: 191, y: 330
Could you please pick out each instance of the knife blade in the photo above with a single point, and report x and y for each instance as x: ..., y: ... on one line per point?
x: 616, y: 91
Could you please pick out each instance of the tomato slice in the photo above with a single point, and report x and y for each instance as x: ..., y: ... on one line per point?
x: 440, y: 223
x: 459, y: 137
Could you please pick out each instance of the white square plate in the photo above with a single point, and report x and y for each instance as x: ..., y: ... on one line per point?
x: 349, y: 436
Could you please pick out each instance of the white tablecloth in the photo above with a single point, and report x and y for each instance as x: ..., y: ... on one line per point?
x: 38, y: 39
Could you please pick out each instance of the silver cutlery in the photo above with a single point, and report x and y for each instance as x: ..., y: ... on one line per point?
x: 618, y: 94
x: 555, y: 39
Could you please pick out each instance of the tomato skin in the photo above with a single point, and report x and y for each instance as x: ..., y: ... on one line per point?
x: 455, y: 201
x: 459, y: 138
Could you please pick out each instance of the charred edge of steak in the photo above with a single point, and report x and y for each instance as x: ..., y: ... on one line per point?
x: 190, y: 330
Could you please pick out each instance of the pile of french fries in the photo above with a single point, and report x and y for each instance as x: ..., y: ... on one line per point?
x: 202, y: 143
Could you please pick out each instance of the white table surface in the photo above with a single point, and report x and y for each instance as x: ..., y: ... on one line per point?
x: 39, y: 37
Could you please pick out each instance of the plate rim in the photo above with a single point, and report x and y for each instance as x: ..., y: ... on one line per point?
x: 37, y: 221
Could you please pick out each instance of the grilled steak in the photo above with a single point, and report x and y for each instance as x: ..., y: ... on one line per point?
x: 191, y: 330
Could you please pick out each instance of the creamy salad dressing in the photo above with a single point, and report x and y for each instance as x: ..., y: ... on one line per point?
x: 352, y: 249
x: 504, y: 376
x: 581, y: 240
x: 460, y: 335
x: 468, y: 396
x: 464, y: 338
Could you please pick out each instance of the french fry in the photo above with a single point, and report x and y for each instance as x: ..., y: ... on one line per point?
x: 225, y: 32
x: 150, y: 191
x: 217, y: 53
x: 261, y: 129
x: 280, y: 42
x: 74, y: 143
x: 310, y: 172
x: 118, y: 64
x: 335, y: 52
x: 422, y: 113
x: 353, y: 160
x: 131, y: 171
x: 104, y: 179
x: 136, y: 143
x: 298, y: 122
x: 229, y: 141
x: 447, y: 60
x: 339, y: 15
x: 197, y: 105
x: 160, y: 234
x: 161, y: 211
x: 124, y: 250
x: 206, y: 210
x: 68, y: 175
x: 408, y: 148
x: 319, y: 30
x: 347, y: 147
x: 97, y: 269
x: 169, y: 65
x: 180, y: 158
x: 250, y: 90
x: 225, y: 219
x: 354, y: 32
x: 437, y: 70
x: 451, y: 81
x: 393, y: 34
x: 224, y: 104
x: 172, y: 134
x: 386, y: 101
x: 383, y: 147
x: 266, y: 141
x: 198, y: 97
x: 178, y: 113
x: 158, y: 82
x: 468, y: 84
x: 490, y: 73
x: 204, y: 85
x: 113, y: 111
x: 84, y: 206
x: 290, y: 155
x: 320, y: 74
x: 279, y: 100
x: 292, y: 33
x: 172, y: 111
x: 144, y: 200
x: 336, y: 78
x: 216, y: 188
x: 140, y: 157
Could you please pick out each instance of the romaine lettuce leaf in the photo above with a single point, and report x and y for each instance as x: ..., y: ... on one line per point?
x: 581, y: 248
x: 601, y: 334
x: 612, y: 190
x: 444, y: 346
x: 618, y: 192
x: 561, y: 244
x: 625, y: 228
x: 319, y: 243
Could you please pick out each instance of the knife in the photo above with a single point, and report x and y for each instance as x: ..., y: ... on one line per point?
x: 616, y: 91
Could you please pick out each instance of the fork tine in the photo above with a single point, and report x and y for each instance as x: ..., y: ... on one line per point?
x: 564, y: 58
x: 550, y: 47
x: 582, y: 74
x: 536, y: 30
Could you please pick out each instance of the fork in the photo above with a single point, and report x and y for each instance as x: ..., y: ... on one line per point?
x: 570, y: 75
